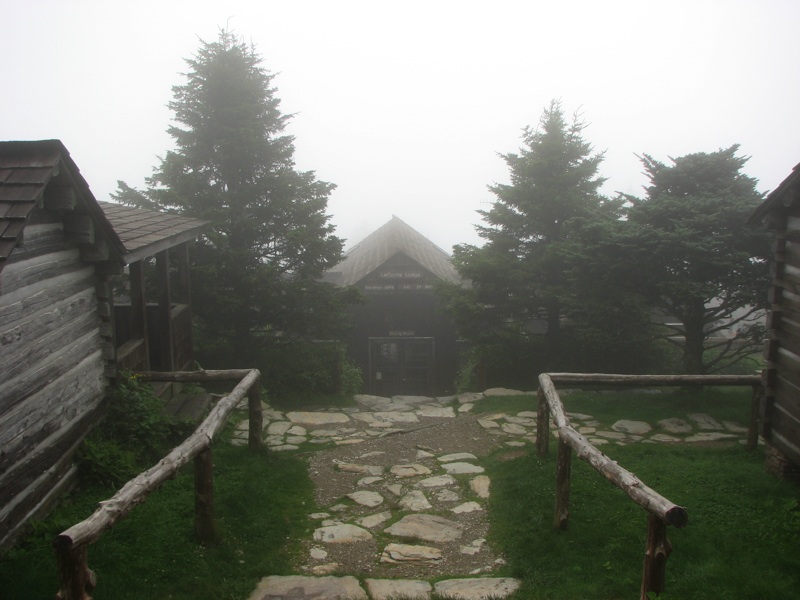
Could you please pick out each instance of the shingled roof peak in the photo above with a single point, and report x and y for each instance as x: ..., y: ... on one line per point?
x: 391, y: 238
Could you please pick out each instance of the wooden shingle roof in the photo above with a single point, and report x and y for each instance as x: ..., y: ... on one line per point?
x: 386, y: 241
x: 782, y: 197
x: 42, y: 173
x: 147, y: 232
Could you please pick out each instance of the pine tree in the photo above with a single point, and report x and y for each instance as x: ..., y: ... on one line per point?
x: 698, y: 262
x: 255, y: 273
x: 517, y: 277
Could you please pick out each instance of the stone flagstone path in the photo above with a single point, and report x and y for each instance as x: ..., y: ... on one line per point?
x: 404, y: 496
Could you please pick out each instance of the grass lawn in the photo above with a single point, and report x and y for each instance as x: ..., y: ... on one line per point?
x: 744, y: 525
x: 261, y: 503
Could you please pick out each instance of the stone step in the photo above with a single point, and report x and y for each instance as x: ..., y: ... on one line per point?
x: 296, y: 587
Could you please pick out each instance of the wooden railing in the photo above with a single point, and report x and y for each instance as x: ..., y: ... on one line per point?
x: 76, y: 580
x: 661, y: 511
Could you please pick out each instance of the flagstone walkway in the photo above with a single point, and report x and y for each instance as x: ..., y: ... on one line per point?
x: 404, y: 498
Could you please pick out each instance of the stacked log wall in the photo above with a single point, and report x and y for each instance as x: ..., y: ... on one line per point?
x: 781, y: 418
x: 53, y: 362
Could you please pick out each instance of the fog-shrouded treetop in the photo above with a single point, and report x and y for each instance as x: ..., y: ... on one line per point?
x: 255, y: 273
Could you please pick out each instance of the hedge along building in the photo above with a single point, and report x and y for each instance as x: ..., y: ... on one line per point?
x: 59, y: 347
x: 780, y: 410
x: 401, y: 338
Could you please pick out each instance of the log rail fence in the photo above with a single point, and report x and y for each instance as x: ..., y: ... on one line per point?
x: 76, y: 580
x: 661, y: 511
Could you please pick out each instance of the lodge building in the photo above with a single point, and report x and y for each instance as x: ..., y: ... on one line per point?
x: 401, y: 338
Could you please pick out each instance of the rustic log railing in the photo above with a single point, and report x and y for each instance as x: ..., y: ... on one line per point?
x: 661, y: 511
x: 76, y: 580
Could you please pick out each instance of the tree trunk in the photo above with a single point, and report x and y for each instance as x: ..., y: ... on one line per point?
x: 694, y: 339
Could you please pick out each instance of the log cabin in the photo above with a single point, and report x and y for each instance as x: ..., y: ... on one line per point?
x: 62, y: 339
x: 780, y: 409
x: 401, y: 339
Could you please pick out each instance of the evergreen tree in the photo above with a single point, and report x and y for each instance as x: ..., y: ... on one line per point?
x: 518, y: 282
x: 696, y: 261
x: 256, y: 272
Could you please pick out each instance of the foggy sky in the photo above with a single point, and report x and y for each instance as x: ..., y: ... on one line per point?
x: 406, y: 106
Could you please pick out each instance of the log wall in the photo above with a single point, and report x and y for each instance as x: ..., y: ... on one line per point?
x: 54, y: 342
x: 781, y: 410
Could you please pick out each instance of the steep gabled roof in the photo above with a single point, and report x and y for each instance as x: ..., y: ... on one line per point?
x: 147, y: 232
x: 784, y: 196
x: 386, y: 241
x: 42, y: 173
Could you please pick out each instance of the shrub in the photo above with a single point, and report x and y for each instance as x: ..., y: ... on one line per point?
x: 134, y: 433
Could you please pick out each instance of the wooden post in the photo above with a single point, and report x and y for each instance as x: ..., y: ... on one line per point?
x: 254, y: 439
x: 204, y: 496
x: 76, y: 580
x: 166, y: 343
x: 139, y: 309
x: 752, y: 427
x: 542, y: 425
x: 563, y: 472
x: 655, y: 557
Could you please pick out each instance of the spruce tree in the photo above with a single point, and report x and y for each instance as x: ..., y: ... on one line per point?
x: 518, y: 281
x: 256, y: 272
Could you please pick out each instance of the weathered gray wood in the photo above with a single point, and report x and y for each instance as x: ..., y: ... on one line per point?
x: 204, y: 497
x: 563, y: 475
x: 21, y: 470
x: 653, y: 380
x: 23, y: 383
x: 26, y: 301
x: 542, y: 424
x: 40, y: 268
x: 45, y: 329
x: 81, y: 389
x: 60, y: 198
x: 195, y: 376
x: 77, y: 580
x: 138, y: 325
x: 165, y: 338
x: 647, y: 498
x: 654, y: 572
x: 553, y: 401
x: 79, y: 228
x: 256, y: 417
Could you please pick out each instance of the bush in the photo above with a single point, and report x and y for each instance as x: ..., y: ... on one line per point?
x: 134, y: 434
x: 320, y: 368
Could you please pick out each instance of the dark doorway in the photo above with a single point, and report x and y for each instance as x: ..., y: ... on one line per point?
x: 401, y: 366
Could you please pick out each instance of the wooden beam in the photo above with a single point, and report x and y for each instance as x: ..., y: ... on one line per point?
x: 647, y: 498
x: 654, y: 572
x: 563, y: 473
x: 204, y: 497
x: 256, y: 418
x: 137, y: 489
x: 139, y: 308
x: 60, y: 198
x: 165, y: 342
x: 542, y: 425
x: 79, y: 227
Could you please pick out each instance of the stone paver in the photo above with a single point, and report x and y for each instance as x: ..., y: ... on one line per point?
x: 477, y: 588
x: 386, y: 589
x: 428, y: 528
x: 418, y: 482
x: 297, y: 587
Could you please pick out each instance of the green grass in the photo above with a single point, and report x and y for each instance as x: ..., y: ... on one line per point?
x: 261, y: 503
x: 741, y: 541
